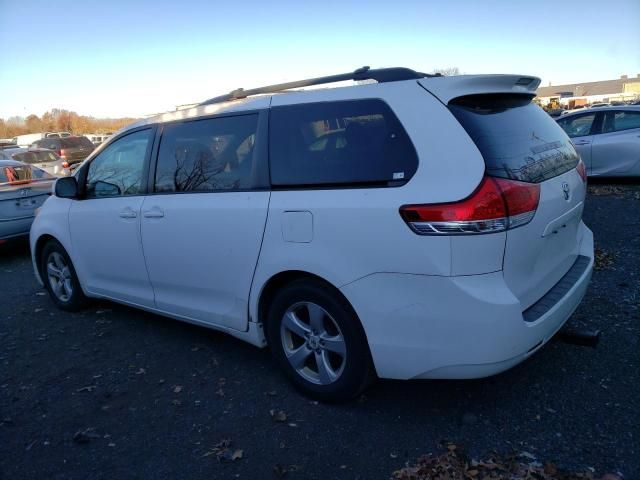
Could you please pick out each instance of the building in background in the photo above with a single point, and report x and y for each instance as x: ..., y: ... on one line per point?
x: 573, y: 95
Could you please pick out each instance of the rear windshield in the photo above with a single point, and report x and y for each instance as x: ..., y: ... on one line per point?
x: 50, y: 143
x: 10, y: 174
x: 74, y: 142
x: 517, y: 139
x: 35, y: 157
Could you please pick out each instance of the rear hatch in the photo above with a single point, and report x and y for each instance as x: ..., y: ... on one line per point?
x: 520, y: 142
x: 22, y: 190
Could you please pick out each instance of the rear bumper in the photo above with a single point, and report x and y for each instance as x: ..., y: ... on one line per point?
x: 456, y: 327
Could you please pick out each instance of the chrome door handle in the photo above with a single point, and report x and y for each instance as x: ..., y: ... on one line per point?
x: 128, y: 213
x: 155, y: 212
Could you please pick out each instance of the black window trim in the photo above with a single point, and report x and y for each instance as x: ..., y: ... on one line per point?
x: 261, y: 152
x: 350, y: 185
x: 81, y: 177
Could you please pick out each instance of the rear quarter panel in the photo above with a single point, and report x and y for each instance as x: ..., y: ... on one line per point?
x: 355, y: 232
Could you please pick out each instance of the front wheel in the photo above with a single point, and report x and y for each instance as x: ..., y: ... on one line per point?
x: 317, y: 339
x: 60, y: 278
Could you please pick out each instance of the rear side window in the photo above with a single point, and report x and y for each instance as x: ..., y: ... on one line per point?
x: 359, y: 142
x: 622, y: 120
x: 517, y: 139
x: 208, y: 155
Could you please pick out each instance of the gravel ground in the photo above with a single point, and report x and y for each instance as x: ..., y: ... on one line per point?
x: 117, y: 393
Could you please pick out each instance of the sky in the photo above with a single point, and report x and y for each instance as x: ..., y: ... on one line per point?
x: 118, y: 58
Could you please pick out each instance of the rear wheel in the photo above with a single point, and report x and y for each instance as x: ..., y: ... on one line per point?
x: 60, y: 277
x: 317, y: 339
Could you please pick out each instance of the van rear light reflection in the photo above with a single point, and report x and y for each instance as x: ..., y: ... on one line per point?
x: 582, y: 171
x: 495, y: 206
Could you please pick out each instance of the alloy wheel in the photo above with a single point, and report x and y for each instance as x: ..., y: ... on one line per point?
x: 313, y: 343
x: 59, y: 276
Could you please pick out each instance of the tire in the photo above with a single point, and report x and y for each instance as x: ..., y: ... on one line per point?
x: 60, y: 278
x: 318, y: 341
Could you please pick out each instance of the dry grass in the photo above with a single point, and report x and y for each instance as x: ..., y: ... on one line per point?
x: 454, y: 464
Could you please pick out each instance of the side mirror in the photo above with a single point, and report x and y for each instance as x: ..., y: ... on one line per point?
x: 66, y: 187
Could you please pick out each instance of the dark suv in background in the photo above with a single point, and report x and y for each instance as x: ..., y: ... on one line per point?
x: 72, y: 149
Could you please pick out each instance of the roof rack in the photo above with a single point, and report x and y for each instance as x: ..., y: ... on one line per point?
x: 381, y: 75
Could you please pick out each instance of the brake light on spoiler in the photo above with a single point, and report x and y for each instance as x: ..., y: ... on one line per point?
x: 496, y: 205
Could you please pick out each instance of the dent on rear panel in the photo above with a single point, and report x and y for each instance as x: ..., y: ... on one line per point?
x: 477, y: 254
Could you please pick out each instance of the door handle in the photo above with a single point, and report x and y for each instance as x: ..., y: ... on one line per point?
x: 582, y: 143
x: 128, y: 213
x: 155, y: 212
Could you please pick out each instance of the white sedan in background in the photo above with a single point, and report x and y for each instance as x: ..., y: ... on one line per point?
x: 607, y: 139
x: 44, y: 159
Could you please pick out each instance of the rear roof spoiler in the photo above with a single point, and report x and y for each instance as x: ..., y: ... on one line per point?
x: 448, y: 88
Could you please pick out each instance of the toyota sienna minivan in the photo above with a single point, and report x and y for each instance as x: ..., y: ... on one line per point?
x: 412, y: 227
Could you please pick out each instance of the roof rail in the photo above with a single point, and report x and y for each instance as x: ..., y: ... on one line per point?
x: 381, y: 75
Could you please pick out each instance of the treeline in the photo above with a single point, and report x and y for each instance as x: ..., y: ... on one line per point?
x: 60, y: 120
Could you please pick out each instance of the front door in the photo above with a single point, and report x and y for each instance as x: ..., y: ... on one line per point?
x: 105, y: 223
x: 202, y: 227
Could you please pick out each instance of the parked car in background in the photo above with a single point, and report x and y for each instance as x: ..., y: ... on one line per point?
x: 71, y: 149
x: 7, y: 142
x: 598, y: 105
x: 27, y: 139
x: 23, y: 188
x: 556, y: 112
x: 42, y: 158
x: 607, y: 139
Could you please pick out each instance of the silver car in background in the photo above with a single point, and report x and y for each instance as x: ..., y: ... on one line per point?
x: 23, y: 188
x: 607, y: 139
x: 42, y: 158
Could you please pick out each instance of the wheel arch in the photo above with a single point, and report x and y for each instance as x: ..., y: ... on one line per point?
x: 281, y: 279
x: 37, y: 253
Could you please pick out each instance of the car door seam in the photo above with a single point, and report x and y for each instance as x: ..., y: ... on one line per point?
x: 255, y: 267
x: 144, y: 257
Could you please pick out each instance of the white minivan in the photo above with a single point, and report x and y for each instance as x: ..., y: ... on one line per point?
x: 417, y: 227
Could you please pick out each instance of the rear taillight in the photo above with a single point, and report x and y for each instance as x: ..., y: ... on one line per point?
x: 496, y: 205
x: 582, y: 170
x: 62, y: 154
x: 65, y: 164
